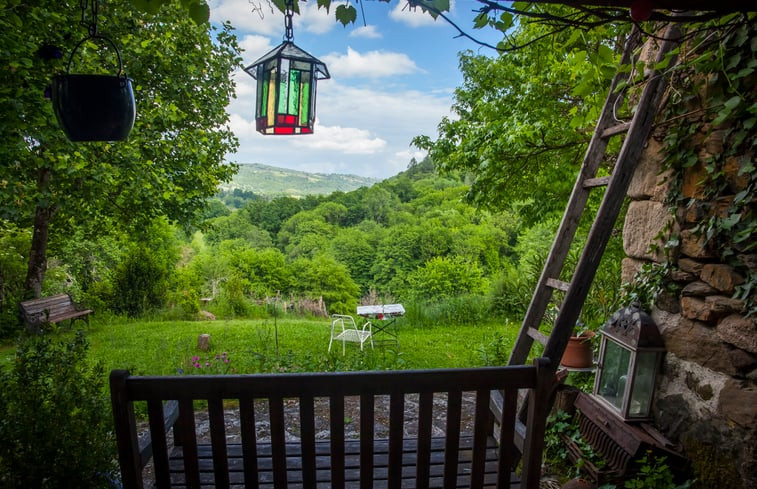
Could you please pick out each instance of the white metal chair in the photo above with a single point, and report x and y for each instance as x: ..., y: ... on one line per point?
x: 344, y: 329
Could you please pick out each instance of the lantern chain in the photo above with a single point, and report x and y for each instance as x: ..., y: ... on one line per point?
x: 90, y: 24
x: 289, y: 31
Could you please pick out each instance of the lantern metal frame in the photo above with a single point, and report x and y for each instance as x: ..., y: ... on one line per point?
x: 625, y: 382
x: 286, y: 86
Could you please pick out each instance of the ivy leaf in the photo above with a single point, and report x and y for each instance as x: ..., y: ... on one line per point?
x: 727, y: 109
x: 325, y: 4
x: 346, y: 14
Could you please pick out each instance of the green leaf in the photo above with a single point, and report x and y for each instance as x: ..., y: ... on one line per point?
x: 481, y: 21
x: 199, y: 12
x: 325, y: 4
x: 346, y: 14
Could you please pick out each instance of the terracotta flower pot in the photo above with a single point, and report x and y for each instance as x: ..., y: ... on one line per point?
x: 579, y: 352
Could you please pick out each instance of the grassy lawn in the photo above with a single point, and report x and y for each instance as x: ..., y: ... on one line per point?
x: 168, y: 347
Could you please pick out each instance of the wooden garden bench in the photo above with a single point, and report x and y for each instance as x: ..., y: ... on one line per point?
x: 301, y: 453
x: 52, y: 310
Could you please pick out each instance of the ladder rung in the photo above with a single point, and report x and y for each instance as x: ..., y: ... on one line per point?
x: 558, y: 284
x: 538, y: 336
x: 615, y: 130
x: 596, y: 182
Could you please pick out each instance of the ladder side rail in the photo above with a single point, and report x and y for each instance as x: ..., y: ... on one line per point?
x: 573, y: 210
x: 609, y: 209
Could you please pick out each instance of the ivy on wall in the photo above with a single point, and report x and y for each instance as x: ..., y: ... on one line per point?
x: 710, y: 141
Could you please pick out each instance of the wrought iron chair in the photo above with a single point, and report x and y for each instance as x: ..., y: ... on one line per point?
x: 344, y: 329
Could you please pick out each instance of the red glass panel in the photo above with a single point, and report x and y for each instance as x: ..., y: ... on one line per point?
x: 283, y: 130
x: 306, y: 130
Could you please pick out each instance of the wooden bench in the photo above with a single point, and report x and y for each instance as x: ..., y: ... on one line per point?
x: 305, y: 450
x: 52, y: 310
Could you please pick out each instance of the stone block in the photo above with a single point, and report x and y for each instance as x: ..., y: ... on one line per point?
x: 721, y: 276
x: 645, y: 220
x: 695, y: 181
x: 628, y: 268
x: 694, y: 245
x: 737, y: 403
x: 681, y: 276
x: 739, y: 331
x: 693, y: 341
x: 696, y: 308
x: 702, y: 390
x: 689, y: 265
x: 713, y: 142
x: 698, y: 289
x: 649, y: 181
x: 731, y: 168
x: 742, y: 360
x: 722, y: 306
x: 749, y: 261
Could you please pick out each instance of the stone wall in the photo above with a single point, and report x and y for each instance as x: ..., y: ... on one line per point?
x: 707, y: 394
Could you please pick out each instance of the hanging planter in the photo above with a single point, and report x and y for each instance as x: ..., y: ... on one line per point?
x: 579, y: 352
x: 94, y: 107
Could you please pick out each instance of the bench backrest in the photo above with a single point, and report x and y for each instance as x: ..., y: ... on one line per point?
x: 305, y: 388
x: 53, y: 303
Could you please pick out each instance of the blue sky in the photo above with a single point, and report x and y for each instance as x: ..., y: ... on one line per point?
x: 390, y: 81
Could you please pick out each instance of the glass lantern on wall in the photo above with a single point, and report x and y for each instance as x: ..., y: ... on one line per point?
x: 630, y: 355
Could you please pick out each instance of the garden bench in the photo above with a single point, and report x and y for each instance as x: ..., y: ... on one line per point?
x: 52, y: 310
x: 301, y: 453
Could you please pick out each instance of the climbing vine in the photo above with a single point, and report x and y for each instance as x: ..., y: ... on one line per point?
x: 710, y: 143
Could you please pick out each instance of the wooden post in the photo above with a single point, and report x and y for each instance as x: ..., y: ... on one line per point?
x: 126, y: 431
x: 203, y: 342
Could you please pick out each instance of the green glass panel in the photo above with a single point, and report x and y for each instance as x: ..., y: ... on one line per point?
x: 614, y: 373
x: 294, y: 92
x: 264, y: 77
x: 281, y: 107
x: 643, y: 386
x: 305, y: 100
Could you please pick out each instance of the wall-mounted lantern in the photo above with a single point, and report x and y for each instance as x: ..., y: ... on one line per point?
x: 286, y: 82
x: 630, y: 356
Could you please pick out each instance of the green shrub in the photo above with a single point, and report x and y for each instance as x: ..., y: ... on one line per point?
x: 139, y: 283
x: 56, y: 429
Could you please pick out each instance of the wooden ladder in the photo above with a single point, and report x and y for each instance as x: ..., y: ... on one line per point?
x: 576, y: 290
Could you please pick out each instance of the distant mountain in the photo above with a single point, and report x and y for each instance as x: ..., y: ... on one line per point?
x: 272, y: 181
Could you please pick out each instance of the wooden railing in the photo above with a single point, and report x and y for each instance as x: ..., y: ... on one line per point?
x: 404, y: 460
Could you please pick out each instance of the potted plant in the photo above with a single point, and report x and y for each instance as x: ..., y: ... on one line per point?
x: 579, y: 352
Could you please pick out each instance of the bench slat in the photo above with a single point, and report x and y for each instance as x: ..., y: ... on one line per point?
x: 186, y: 423
x: 52, y: 309
x: 249, y: 442
x: 396, y: 442
x: 218, y: 439
x: 159, y: 445
x: 336, y: 415
x: 481, y: 427
x: 425, y: 413
x: 507, y: 432
x: 307, y: 440
x: 454, y: 405
x: 278, y: 440
x: 367, y: 426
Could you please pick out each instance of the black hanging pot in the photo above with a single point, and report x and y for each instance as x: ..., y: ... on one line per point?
x: 94, y: 107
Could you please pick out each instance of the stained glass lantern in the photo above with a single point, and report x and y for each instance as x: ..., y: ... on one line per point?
x: 630, y: 355
x: 286, y: 79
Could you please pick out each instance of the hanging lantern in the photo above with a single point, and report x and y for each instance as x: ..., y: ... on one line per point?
x: 286, y: 79
x: 630, y: 355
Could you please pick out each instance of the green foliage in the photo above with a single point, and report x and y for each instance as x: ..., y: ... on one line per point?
x: 562, y: 426
x: 443, y: 277
x: 522, y: 119
x: 324, y: 277
x: 720, y: 68
x: 654, y: 473
x: 14, y: 244
x: 56, y: 426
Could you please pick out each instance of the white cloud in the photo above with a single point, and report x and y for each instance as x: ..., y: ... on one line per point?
x: 367, y: 32
x: 346, y: 140
x: 254, y: 16
x: 415, y: 16
x: 254, y: 47
x: 373, y: 64
x: 260, y: 17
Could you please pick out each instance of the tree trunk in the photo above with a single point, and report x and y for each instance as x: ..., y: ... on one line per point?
x: 35, y: 272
